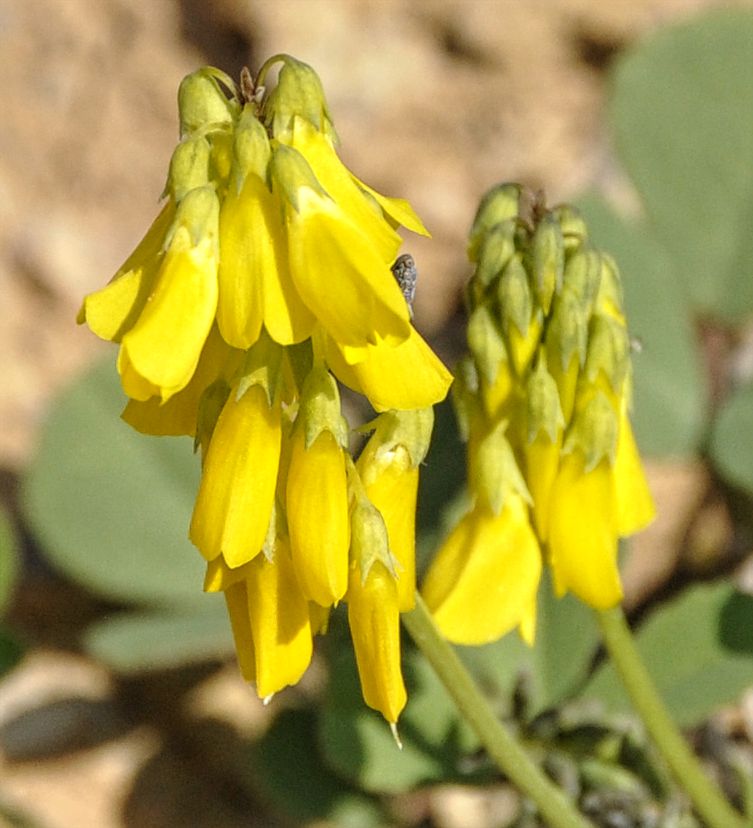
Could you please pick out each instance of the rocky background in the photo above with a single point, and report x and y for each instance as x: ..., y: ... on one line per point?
x: 434, y: 100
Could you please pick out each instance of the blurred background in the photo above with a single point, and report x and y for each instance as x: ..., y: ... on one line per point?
x: 120, y: 704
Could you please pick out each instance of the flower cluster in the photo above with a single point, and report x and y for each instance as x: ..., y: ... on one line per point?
x: 265, y: 278
x: 543, y: 400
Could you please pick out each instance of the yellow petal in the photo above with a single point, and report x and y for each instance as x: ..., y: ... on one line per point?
x: 635, y: 506
x: 339, y: 184
x: 177, y: 416
x: 165, y: 344
x: 340, y: 276
x: 398, y: 209
x: 375, y: 628
x: 280, y: 622
x: 583, y: 532
x: 254, y: 277
x: 484, y: 579
x: 236, y: 494
x: 236, y: 599
x: 542, y: 460
x: 407, y: 376
x: 113, y: 310
x: 318, y: 521
x: 134, y: 385
x: 392, y: 486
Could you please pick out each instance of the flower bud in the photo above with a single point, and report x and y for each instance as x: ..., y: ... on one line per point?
x: 572, y: 225
x: 498, y: 205
x: 593, y: 431
x: 494, y: 473
x: 251, y: 150
x: 189, y: 167
x: 495, y: 251
x: 201, y: 102
x: 299, y: 93
x: 582, y: 276
x: 486, y: 342
x: 547, y: 260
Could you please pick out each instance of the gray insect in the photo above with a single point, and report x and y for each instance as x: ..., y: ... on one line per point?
x: 406, y: 275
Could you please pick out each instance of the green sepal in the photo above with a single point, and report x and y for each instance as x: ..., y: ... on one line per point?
x: 201, y: 102
x: 514, y: 296
x: 290, y: 171
x: 486, y: 342
x: 410, y: 429
x: 262, y: 366
x: 546, y: 260
x: 465, y: 390
x: 498, y: 205
x: 199, y: 213
x: 573, y: 226
x: 300, y: 359
x: 210, y: 406
x: 251, y: 149
x: 369, y: 540
x: 593, y: 431
x: 608, y: 351
x: 495, y: 250
x: 298, y: 92
x: 583, y: 275
x: 567, y: 330
x: 543, y: 409
x: 495, y: 470
x: 319, y: 409
x: 189, y: 167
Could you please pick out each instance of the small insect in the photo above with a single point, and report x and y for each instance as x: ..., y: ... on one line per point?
x: 406, y: 275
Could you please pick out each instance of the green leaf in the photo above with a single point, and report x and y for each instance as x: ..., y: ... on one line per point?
x: 357, y: 742
x: 11, y: 650
x: 289, y: 771
x: 732, y: 438
x: 683, y: 116
x: 111, y: 507
x: 9, y: 564
x: 136, y: 642
x: 698, y: 650
x: 668, y: 403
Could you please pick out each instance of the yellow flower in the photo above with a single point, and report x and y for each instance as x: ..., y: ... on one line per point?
x: 483, y: 581
x: 374, y: 619
x: 236, y: 494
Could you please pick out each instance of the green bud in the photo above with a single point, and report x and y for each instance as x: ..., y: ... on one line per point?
x: 465, y: 390
x: 547, y: 260
x: 290, y: 172
x: 498, y: 205
x: 320, y: 407
x: 211, y: 404
x: 609, y: 298
x: 262, y: 366
x: 583, y: 274
x: 251, y: 149
x: 199, y: 212
x: 608, y: 351
x: 496, y: 471
x: 298, y: 92
x: 544, y: 412
x: 485, y: 342
x: 189, y: 167
x: 514, y: 295
x: 495, y: 251
x: 201, y: 102
x: 567, y: 331
x: 593, y: 431
x: 572, y: 224
x: 410, y: 429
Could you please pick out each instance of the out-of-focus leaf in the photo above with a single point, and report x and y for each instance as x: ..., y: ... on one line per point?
x: 110, y: 506
x: 683, y: 115
x: 135, y: 642
x: 357, y: 742
x: 11, y: 650
x: 8, y: 558
x: 289, y: 771
x: 697, y: 648
x: 668, y: 410
x: 732, y: 438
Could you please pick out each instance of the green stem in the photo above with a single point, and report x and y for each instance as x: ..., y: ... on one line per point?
x: 557, y: 810
x: 709, y: 803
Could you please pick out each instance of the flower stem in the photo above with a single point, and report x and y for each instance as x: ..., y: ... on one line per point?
x: 556, y: 809
x: 709, y: 803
